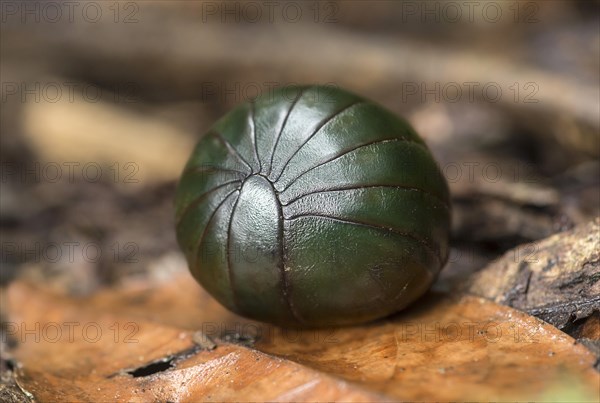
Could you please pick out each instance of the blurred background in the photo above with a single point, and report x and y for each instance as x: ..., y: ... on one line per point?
x: 102, y: 102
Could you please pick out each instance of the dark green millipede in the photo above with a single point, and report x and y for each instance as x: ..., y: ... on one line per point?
x: 312, y: 206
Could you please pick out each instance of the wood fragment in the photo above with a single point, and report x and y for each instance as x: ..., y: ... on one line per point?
x: 556, y: 279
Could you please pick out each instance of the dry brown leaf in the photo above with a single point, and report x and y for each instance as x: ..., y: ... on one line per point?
x: 95, y: 354
x: 461, y: 348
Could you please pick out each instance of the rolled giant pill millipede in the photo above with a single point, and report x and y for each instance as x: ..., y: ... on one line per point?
x: 312, y: 206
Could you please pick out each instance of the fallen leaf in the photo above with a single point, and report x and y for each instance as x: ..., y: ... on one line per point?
x: 444, y: 348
